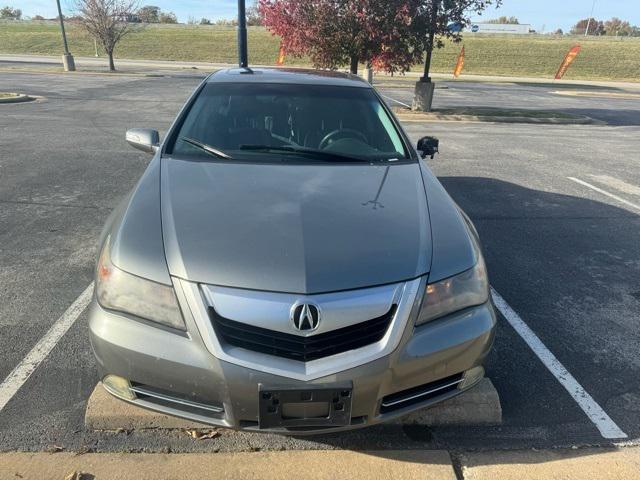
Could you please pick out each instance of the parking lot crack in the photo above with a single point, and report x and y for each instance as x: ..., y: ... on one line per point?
x: 49, y: 204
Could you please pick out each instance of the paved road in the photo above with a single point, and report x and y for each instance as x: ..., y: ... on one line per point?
x: 564, y: 256
x: 91, y: 63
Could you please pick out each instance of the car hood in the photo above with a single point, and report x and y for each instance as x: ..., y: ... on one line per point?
x: 297, y: 228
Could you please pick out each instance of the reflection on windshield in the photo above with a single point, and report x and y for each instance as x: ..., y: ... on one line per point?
x: 344, y: 122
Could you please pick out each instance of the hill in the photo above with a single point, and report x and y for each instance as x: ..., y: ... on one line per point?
x: 602, y: 58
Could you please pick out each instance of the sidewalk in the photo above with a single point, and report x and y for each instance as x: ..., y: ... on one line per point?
x: 579, y: 464
x: 298, y: 465
x: 126, y: 64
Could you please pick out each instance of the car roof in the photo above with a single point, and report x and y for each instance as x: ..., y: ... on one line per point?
x: 299, y: 76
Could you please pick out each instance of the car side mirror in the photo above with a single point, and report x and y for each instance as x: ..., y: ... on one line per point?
x: 428, y: 146
x: 143, y: 139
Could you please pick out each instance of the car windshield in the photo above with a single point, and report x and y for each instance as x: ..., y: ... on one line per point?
x: 287, y: 121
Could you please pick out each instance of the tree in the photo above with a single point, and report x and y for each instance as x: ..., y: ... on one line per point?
x: 254, y: 19
x: 392, y: 35
x: 596, y: 27
x: 558, y: 32
x: 335, y: 33
x: 504, y: 20
x: 106, y: 21
x: 226, y: 22
x: 149, y: 14
x: 205, y: 21
x: 617, y: 27
x: 37, y: 17
x: 9, y: 13
x: 167, y: 17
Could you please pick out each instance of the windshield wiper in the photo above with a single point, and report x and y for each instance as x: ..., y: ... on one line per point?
x: 205, y: 148
x: 306, y: 151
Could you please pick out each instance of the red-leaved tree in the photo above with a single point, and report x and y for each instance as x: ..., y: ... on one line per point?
x: 390, y: 34
x: 338, y: 32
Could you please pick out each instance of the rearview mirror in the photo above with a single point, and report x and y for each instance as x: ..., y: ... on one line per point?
x: 428, y: 146
x: 143, y: 139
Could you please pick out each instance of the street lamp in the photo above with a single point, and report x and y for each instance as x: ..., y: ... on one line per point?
x: 432, y: 30
x: 67, y: 59
x: 423, y: 94
x: 243, y: 59
x: 593, y: 6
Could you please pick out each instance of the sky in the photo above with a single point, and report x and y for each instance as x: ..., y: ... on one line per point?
x: 543, y: 15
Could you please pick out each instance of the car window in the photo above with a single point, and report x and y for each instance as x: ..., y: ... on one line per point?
x: 347, y: 121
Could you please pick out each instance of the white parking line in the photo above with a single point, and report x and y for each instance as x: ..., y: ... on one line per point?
x: 604, y: 192
x: 617, y: 184
x: 27, y: 366
x: 394, y: 100
x: 602, y: 421
x: 596, y: 414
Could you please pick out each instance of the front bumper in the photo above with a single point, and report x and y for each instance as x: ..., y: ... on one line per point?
x: 176, y: 374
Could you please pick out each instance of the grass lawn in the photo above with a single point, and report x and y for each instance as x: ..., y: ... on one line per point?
x: 602, y: 58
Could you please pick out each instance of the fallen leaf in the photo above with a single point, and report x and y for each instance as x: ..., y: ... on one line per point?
x: 209, y: 434
x: 76, y: 476
x: 83, y: 450
x: 203, y: 435
x: 118, y: 430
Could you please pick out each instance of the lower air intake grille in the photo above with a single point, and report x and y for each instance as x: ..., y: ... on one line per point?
x: 300, y: 348
x: 419, y: 394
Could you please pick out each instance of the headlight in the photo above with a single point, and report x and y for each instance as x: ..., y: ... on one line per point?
x: 466, y: 289
x: 119, y: 290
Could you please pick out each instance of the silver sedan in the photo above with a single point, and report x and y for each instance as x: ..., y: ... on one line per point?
x: 289, y: 263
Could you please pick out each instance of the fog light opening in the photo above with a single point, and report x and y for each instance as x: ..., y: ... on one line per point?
x: 120, y: 387
x: 471, y: 376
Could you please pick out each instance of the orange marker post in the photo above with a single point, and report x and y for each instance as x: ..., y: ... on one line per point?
x: 281, y: 55
x: 568, y: 60
x: 459, y: 64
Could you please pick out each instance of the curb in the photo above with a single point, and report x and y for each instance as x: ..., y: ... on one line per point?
x: 478, y: 406
x: 565, y: 464
x: 435, y: 117
x: 295, y: 464
x: 597, y: 94
x: 117, y: 73
x: 17, y: 98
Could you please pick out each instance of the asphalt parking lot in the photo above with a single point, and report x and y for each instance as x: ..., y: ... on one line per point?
x: 557, y: 208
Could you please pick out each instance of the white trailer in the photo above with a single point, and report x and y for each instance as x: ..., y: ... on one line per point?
x: 506, y: 28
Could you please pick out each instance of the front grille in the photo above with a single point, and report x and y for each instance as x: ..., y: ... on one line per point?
x: 420, y: 394
x: 299, y: 348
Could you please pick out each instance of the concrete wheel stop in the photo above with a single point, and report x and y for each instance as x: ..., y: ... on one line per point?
x: 477, y: 406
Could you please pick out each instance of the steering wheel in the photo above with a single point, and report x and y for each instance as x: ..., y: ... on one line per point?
x: 339, y: 134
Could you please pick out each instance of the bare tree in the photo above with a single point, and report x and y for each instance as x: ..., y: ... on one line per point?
x: 107, y: 21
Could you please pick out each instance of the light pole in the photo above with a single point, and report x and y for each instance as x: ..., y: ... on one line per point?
x: 593, y: 6
x: 243, y: 59
x: 67, y: 59
x: 423, y: 93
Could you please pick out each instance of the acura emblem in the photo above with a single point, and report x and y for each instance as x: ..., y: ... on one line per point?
x: 305, y: 317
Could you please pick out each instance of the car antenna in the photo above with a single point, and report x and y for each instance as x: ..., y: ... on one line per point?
x: 243, y: 58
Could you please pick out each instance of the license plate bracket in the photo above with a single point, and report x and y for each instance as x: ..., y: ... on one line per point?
x: 277, y: 406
